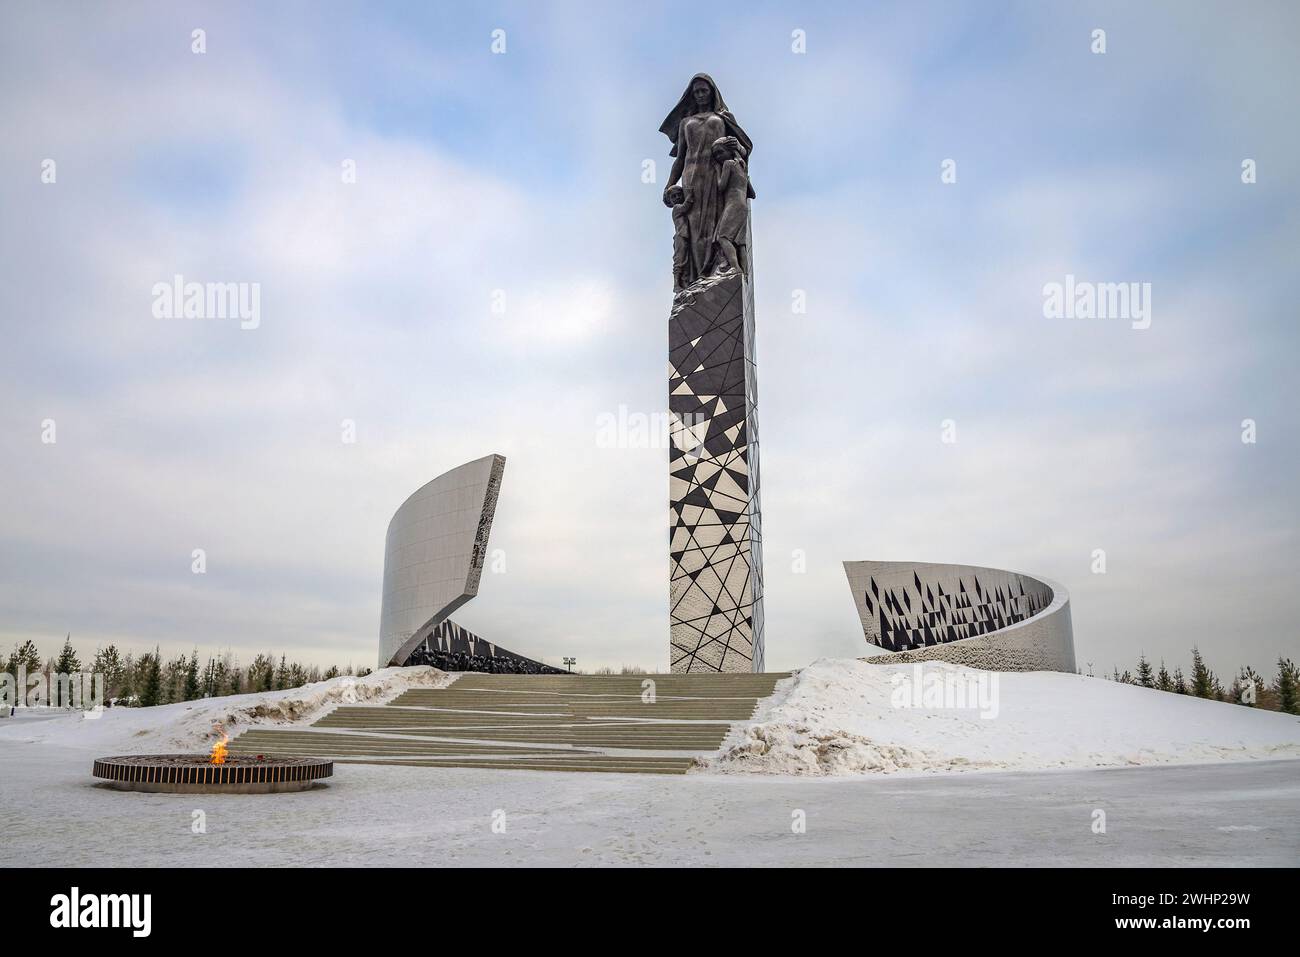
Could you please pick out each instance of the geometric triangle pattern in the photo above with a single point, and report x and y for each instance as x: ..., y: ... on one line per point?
x: 715, y: 532
x: 452, y: 647
x: 915, y: 614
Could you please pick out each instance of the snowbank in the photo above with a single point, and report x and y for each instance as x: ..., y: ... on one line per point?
x: 836, y: 717
x: 187, y: 726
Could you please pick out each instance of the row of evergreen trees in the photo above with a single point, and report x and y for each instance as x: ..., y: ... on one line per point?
x: 148, y: 680
x: 1248, y: 687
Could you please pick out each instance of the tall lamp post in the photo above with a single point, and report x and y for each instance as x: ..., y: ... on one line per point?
x: 569, y: 663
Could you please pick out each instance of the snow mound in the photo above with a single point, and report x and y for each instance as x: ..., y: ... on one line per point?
x: 847, y: 717
x: 188, y: 725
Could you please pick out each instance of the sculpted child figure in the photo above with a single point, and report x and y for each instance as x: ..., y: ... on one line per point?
x: 733, y: 187
x: 679, y: 201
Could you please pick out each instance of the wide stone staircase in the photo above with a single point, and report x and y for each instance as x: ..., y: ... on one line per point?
x: 653, y: 724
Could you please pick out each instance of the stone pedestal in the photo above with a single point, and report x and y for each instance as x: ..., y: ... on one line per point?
x: 715, y: 543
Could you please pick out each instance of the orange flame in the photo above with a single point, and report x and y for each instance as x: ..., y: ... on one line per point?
x: 219, y: 749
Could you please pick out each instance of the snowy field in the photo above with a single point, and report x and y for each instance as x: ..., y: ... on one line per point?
x: 1180, y: 781
x: 839, y: 717
x: 1241, y: 814
x: 188, y: 726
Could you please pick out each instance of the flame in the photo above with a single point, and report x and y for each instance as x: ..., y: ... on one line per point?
x: 219, y: 749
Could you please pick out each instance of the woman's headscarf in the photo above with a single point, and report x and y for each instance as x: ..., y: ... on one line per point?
x: 686, y: 107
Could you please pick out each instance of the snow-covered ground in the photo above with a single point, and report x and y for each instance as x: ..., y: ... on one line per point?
x: 826, y: 732
x: 835, y: 717
x: 845, y: 717
x: 188, y: 726
x: 1236, y: 814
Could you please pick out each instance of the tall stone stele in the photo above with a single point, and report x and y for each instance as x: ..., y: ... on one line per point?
x: 715, y: 532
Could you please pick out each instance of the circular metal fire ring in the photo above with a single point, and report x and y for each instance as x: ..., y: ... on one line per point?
x: 196, y: 774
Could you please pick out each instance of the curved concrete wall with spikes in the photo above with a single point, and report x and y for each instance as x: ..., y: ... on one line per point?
x: 963, y: 614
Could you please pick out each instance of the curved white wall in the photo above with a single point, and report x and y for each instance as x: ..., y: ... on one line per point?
x: 964, y: 614
x: 433, y: 555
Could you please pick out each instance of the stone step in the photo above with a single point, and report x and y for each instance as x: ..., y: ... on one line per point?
x: 532, y: 722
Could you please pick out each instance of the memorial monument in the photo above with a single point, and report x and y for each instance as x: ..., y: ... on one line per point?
x: 715, y: 531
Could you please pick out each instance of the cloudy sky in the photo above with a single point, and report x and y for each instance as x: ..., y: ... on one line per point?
x: 523, y: 172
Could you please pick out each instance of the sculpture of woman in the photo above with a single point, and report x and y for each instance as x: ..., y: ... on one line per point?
x: 698, y: 120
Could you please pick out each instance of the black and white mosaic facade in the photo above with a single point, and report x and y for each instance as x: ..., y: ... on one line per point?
x: 715, y: 529
x: 452, y: 647
x: 963, y: 614
x: 917, y: 613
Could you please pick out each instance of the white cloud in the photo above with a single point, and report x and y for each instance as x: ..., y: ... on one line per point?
x: 924, y: 304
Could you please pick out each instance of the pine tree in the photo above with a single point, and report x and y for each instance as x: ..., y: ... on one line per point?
x: 1180, y: 683
x: 129, y: 681
x: 281, y: 676
x: 67, y: 663
x: 108, y: 662
x: 25, y: 655
x: 1163, y: 681
x: 1202, y: 677
x: 173, y: 680
x: 1145, y: 678
x: 190, y: 688
x: 1217, y: 691
x: 260, y: 675
x: 225, y: 676
x: 151, y: 679
x: 1246, y: 689
x: 1287, y: 686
